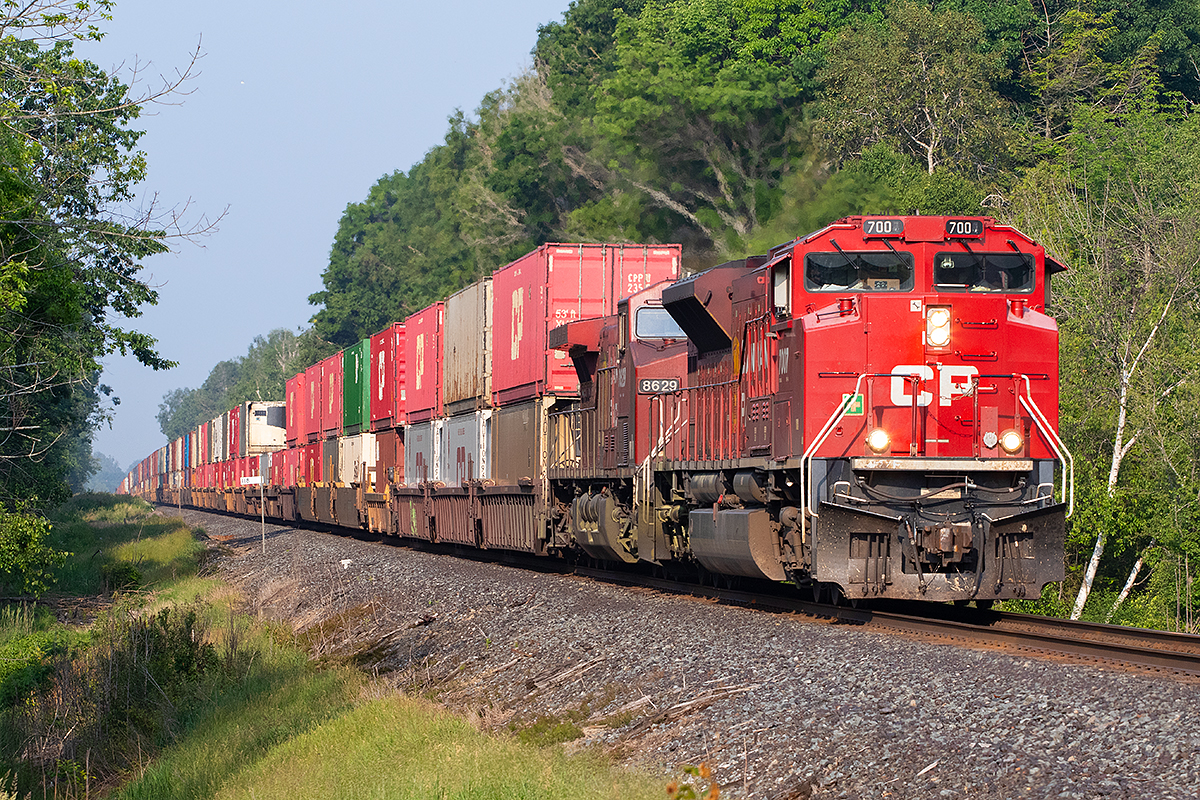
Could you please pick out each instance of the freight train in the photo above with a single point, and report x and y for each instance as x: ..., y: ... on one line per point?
x: 867, y: 411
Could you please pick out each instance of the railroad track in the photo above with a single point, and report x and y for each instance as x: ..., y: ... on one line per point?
x: 1160, y: 652
x: 1116, y: 646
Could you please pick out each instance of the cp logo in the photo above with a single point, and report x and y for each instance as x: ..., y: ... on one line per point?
x: 952, y: 381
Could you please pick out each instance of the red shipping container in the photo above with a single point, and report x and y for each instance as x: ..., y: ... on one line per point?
x: 423, y: 361
x: 312, y: 463
x: 551, y: 286
x: 331, y: 396
x: 387, y: 378
x: 312, y: 420
x: 297, y: 408
x: 235, y: 432
x: 290, y: 467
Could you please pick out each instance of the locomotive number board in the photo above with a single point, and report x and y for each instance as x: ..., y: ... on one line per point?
x: 964, y: 227
x: 658, y: 385
x: 882, y: 227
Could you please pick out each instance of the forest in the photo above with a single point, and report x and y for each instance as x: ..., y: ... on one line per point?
x: 733, y: 125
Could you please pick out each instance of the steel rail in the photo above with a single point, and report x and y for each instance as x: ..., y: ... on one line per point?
x: 1157, y: 651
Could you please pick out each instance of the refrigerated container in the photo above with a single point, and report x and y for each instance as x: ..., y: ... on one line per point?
x: 263, y: 427
x: 553, y: 285
x: 420, y: 453
x: 356, y: 458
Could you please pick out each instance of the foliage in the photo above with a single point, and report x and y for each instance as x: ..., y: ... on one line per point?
x: 125, y: 689
x: 70, y: 242
x: 27, y: 560
x: 921, y: 81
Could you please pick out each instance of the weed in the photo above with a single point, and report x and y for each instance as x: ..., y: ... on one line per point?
x: 120, y: 575
x: 684, y: 790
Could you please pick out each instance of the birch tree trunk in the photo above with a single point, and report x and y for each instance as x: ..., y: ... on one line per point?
x: 1121, y: 448
x: 1124, y: 595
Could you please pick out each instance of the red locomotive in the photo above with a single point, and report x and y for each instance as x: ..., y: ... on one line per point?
x: 871, y: 407
x: 869, y: 410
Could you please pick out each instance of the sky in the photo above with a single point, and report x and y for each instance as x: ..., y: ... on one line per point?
x: 292, y: 114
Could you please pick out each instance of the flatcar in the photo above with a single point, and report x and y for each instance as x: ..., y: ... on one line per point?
x: 868, y: 411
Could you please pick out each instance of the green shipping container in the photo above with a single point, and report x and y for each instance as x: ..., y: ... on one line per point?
x: 356, y: 387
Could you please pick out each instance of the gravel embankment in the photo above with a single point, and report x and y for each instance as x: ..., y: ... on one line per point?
x: 780, y: 706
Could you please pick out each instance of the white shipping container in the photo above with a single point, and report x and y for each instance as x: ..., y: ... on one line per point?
x: 356, y: 454
x: 217, y: 438
x: 467, y: 348
x: 465, y: 447
x: 264, y: 427
x: 421, y: 453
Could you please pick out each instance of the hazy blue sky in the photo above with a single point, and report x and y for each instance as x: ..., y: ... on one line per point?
x: 298, y: 108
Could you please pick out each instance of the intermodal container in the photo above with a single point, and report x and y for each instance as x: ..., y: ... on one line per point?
x: 220, y: 433
x: 329, y: 461
x: 388, y: 393
x: 356, y: 388
x: 466, y: 349
x: 520, y: 428
x: 263, y: 427
x: 389, y: 458
x: 331, y: 396
x: 423, y: 360
x: 235, y: 432
x: 297, y: 408
x: 356, y: 458
x: 551, y: 286
x: 420, y: 453
x: 465, y: 446
x: 312, y: 420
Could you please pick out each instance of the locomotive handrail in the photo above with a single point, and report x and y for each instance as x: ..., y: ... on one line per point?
x: 1060, y: 449
x: 806, y: 459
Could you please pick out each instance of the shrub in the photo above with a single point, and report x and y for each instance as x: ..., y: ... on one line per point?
x: 27, y: 562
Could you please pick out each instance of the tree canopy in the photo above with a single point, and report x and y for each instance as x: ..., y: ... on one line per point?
x: 71, y: 242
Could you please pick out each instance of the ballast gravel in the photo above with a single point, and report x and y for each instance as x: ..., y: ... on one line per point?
x: 779, y: 706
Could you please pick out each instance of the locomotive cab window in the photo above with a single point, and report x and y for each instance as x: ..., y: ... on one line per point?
x: 653, y: 322
x: 843, y: 271
x: 983, y: 272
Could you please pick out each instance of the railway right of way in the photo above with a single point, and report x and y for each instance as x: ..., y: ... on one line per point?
x: 781, y: 705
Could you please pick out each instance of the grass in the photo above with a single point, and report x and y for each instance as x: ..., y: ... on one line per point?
x: 262, y: 719
x: 399, y: 747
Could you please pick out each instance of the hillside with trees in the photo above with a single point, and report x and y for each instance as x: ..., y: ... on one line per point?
x: 734, y: 125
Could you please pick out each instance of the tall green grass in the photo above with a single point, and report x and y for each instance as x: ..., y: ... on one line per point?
x: 248, y: 714
x: 402, y: 748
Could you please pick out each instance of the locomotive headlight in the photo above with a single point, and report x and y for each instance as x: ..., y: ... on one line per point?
x: 1011, y: 441
x: 878, y: 440
x: 937, y: 327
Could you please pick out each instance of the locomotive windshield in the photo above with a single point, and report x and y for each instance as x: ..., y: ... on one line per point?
x: 653, y: 322
x: 983, y: 272
x: 873, y: 271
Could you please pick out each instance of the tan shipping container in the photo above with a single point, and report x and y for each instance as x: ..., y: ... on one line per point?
x: 466, y: 349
